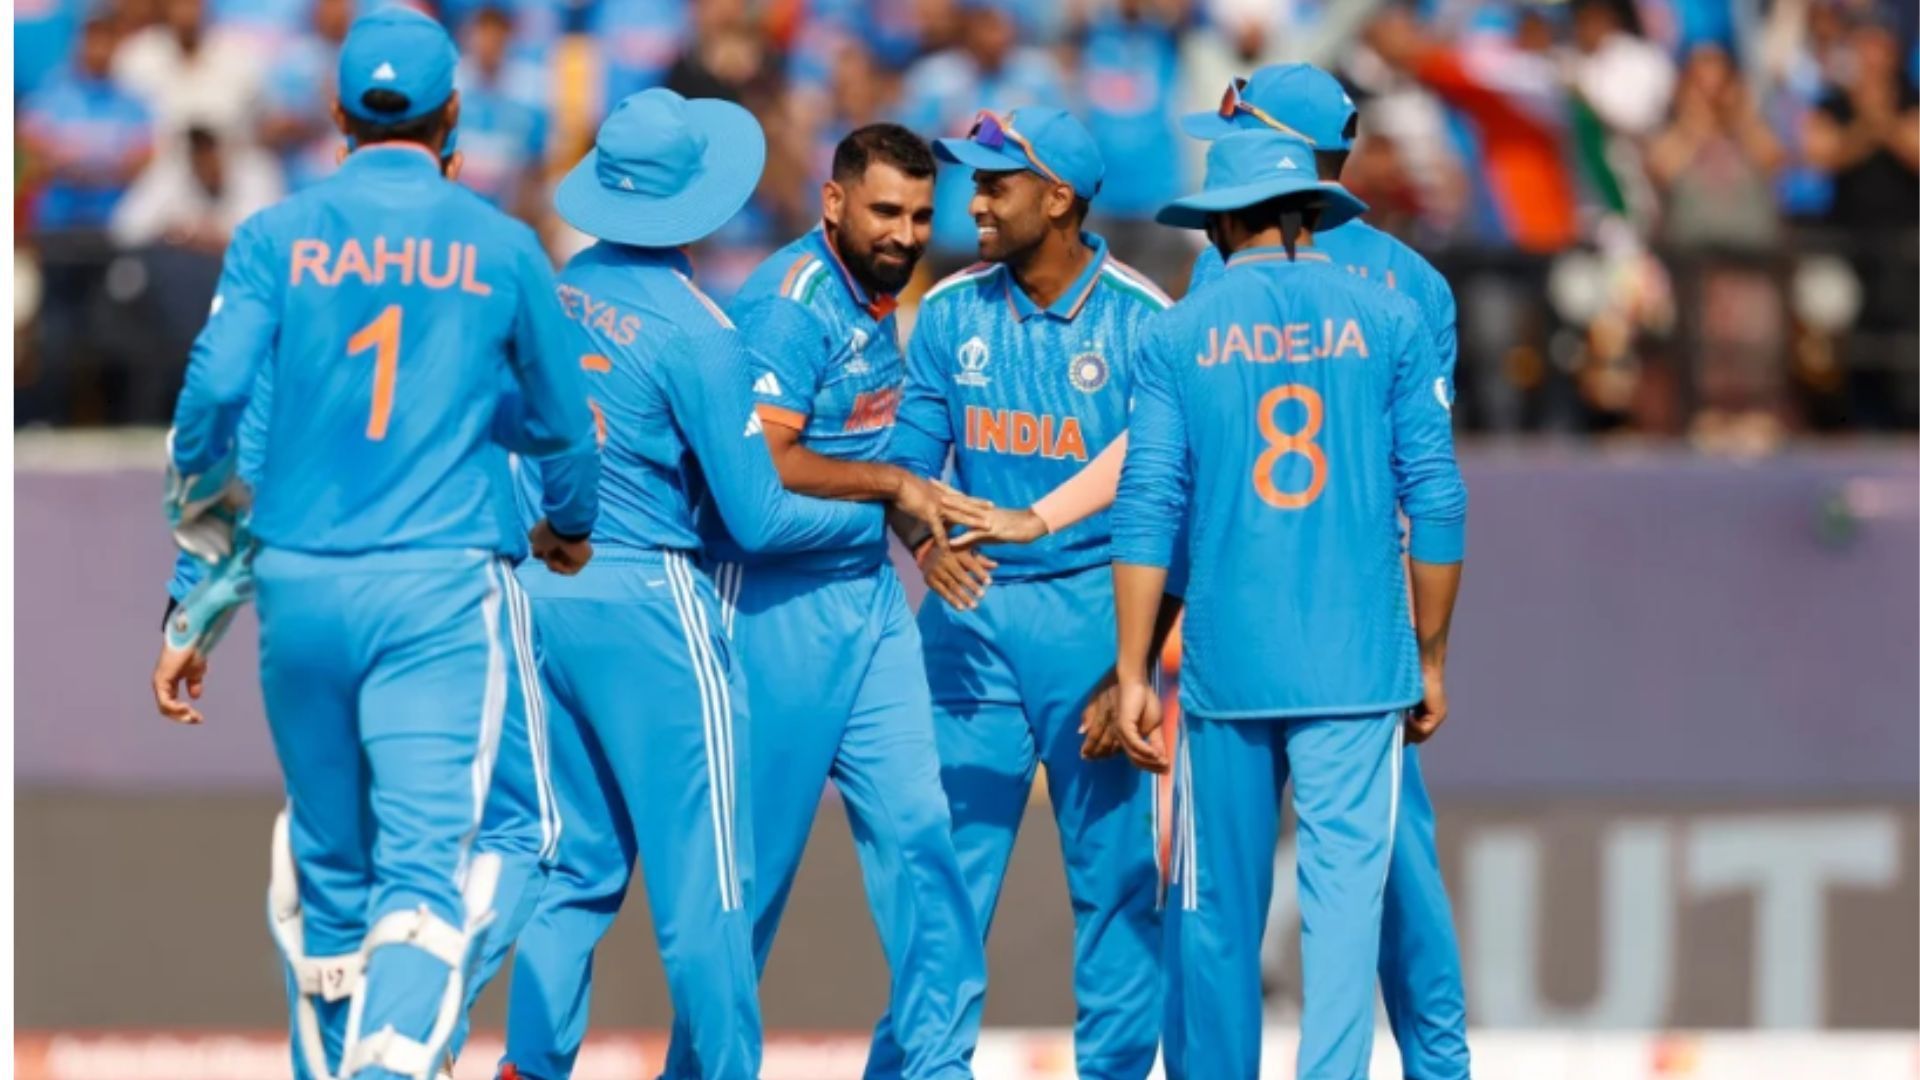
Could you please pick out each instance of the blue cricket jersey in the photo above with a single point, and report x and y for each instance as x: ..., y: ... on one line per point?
x: 1366, y: 252
x: 670, y: 396
x: 1024, y: 396
x: 393, y: 307
x: 1288, y: 412
x: 827, y: 364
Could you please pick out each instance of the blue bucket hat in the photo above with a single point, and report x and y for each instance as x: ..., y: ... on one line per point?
x: 664, y: 171
x: 1297, y: 99
x: 401, y: 50
x: 1247, y: 168
x: 1037, y: 139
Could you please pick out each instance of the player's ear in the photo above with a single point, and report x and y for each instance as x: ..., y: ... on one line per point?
x: 833, y: 203
x: 453, y: 112
x: 451, y: 165
x: 1059, y: 203
x: 339, y: 117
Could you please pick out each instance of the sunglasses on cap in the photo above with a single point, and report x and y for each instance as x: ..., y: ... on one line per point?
x: 990, y: 131
x: 1232, y: 103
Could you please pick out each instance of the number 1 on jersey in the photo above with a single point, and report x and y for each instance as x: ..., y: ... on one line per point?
x: 1280, y: 444
x: 382, y: 335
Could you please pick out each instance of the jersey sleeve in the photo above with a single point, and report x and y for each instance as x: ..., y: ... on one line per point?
x: 707, y: 382
x: 923, y: 427
x: 1426, y: 475
x: 552, y: 422
x: 790, y: 349
x: 1154, y: 482
x: 241, y: 330
x: 1441, y: 319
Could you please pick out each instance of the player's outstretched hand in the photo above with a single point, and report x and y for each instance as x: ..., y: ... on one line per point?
x: 937, y: 504
x: 1425, y: 718
x: 1136, y: 722
x: 177, y: 666
x: 1096, y: 720
x: 561, y: 556
x: 958, y: 577
x: 1004, y: 527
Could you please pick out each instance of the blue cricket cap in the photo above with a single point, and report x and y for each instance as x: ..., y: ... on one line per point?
x: 664, y: 171
x: 1247, y: 168
x: 401, y: 50
x: 1037, y: 139
x: 1297, y: 99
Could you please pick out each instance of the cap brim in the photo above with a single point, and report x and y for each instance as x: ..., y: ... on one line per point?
x: 729, y: 171
x: 979, y: 158
x: 1207, y: 125
x: 1338, y: 206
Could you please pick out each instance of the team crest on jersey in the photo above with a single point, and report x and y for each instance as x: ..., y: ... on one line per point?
x: 973, y: 363
x: 1088, y: 372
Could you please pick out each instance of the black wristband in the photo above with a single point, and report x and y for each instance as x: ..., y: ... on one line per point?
x: 172, y: 606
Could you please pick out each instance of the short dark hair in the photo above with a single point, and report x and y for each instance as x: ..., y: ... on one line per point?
x: 889, y: 144
x: 429, y: 129
x: 1328, y: 163
x: 1082, y: 206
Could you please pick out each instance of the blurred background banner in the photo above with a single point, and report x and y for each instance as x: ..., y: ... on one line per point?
x: 1681, y: 784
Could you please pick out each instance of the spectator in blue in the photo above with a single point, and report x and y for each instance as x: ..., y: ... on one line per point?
x: 1129, y: 78
x: 638, y: 40
x: 945, y: 91
x: 503, y: 135
x: 42, y: 36
x: 86, y: 136
x: 270, y: 24
x: 85, y: 142
x: 296, y: 121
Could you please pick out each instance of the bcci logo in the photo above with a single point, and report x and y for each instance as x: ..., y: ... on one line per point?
x: 1087, y: 372
x: 973, y: 362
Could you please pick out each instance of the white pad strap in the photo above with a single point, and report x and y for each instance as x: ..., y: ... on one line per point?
x: 388, y: 1049
x: 423, y: 930
x: 330, y: 978
x: 283, y: 917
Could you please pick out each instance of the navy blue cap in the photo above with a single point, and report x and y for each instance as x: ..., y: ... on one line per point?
x: 664, y: 171
x: 401, y: 50
x: 1038, y: 139
x: 1299, y: 99
x: 1247, y: 168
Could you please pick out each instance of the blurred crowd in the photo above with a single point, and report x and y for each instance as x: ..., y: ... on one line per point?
x: 1664, y: 217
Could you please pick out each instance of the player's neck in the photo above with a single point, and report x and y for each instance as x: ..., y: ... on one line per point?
x: 1273, y: 238
x: 1050, y: 270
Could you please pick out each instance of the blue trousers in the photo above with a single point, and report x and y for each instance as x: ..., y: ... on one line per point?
x: 1227, y: 783
x: 385, y: 677
x: 1419, y: 952
x: 648, y: 712
x: 834, y: 665
x: 1009, y: 680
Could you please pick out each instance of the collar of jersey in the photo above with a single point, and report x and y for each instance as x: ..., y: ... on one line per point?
x: 880, y: 306
x: 395, y: 157
x: 1276, y: 253
x: 1071, y: 301
x: 627, y: 254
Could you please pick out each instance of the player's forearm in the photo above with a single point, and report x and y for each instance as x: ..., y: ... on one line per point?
x: 1137, y: 592
x: 1435, y: 587
x: 1087, y: 492
x: 805, y: 472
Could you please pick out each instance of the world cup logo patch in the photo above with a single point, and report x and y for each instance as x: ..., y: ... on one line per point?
x: 1087, y: 372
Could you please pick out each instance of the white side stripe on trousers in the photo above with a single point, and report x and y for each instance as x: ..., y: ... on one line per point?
x: 726, y: 579
x: 716, y: 714
x: 520, y: 626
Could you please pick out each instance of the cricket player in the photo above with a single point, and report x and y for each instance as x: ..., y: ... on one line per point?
x: 1021, y: 368
x: 1420, y: 955
x: 827, y: 382
x: 1287, y: 414
x: 648, y: 701
x: 392, y: 306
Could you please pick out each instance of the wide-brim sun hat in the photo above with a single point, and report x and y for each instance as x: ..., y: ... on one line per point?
x: 1250, y: 167
x: 664, y: 171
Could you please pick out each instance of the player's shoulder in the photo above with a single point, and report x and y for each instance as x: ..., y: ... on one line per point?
x: 1132, y: 287
x: 1411, y: 269
x: 961, y: 288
